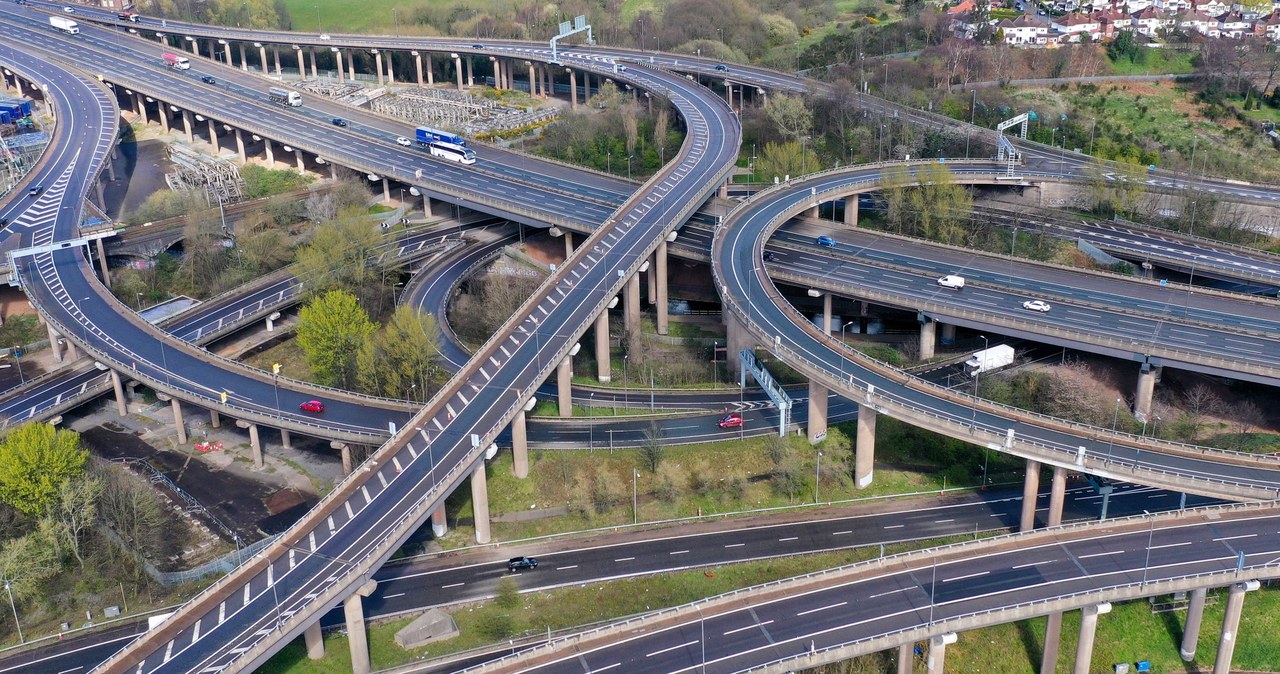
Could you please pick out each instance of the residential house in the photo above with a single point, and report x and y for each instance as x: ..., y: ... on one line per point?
x: 1152, y: 21
x: 1074, y: 25
x: 1234, y: 25
x: 1109, y: 21
x: 1024, y: 30
x: 1196, y: 22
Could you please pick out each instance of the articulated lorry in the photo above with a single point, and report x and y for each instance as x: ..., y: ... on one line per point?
x: 427, y: 135
x: 65, y: 25
x: 990, y: 359
x: 280, y: 96
x: 176, y: 62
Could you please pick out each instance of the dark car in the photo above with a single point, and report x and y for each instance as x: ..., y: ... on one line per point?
x: 35, y: 190
x: 207, y: 79
x: 312, y: 406
x: 4, y: 221
x: 730, y: 421
x: 722, y: 67
x: 522, y: 564
x: 477, y: 46
x: 770, y: 257
x: 338, y: 121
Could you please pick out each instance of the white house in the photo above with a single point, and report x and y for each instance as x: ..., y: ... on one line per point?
x: 1072, y: 26
x: 1151, y: 21
x: 1196, y: 22
x: 1024, y: 30
x: 1233, y: 24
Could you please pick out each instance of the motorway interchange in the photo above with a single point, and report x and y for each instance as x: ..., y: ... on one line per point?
x: 440, y: 445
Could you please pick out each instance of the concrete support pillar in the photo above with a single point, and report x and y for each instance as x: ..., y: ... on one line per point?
x: 178, y: 422
x: 865, y: 446
x: 164, y: 116
x: 256, y: 445
x: 357, y: 637
x: 377, y: 60
x: 213, y: 136
x: 386, y: 191
x: 1030, y: 489
x: 573, y: 89
x: 928, y: 335
x: 812, y: 212
x: 54, y: 344
x: 480, y: 502
x: 122, y: 407
x: 568, y: 244
x: 817, y: 429
x: 1088, y: 628
x: 1057, y: 495
x: 262, y: 58
x: 244, y: 61
x: 391, y: 67
x: 660, y: 273
x: 275, y: 54
x: 1147, y: 378
x: 102, y: 262
x: 333, y: 171
x: 286, y: 440
x: 938, y: 652
x: 302, y: 67
x: 533, y: 81
x: 426, y: 206
x: 520, y: 446
x: 826, y: 313
x: 271, y: 155
x: 1191, y: 631
x: 351, y: 64
x: 906, y: 658
x: 457, y: 67
x: 195, y: 46
x: 948, y: 334
x: 302, y: 164
x: 98, y: 192
x: 311, y: 56
x: 240, y: 146
x: 431, y: 71
x: 1052, y: 637
x: 439, y: 525
x: 631, y: 310
x: 564, y: 386
x: 186, y: 126
x: 851, y: 210
x: 347, y: 464
x: 603, y: 364
x: 1230, y: 626
x: 651, y: 280
x: 342, y: 70
x: 497, y: 72
x: 142, y: 107
x: 227, y: 51
x: 314, y: 640
x: 215, y: 419
x: 471, y: 73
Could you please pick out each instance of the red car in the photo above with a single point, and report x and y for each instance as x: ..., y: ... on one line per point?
x: 730, y: 421
x: 312, y: 406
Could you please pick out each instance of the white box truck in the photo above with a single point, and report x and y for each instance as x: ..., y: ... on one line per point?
x: 986, y: 360
x: 65, y: 25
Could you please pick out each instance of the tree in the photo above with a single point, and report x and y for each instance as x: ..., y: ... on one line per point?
x: 35, y: 461
x: 398, y: 360
x: 25, y: 563
x: 131, y: 508
x: 342, y: 256
x: 938, y: 206
x: 652, y: 449
x: 332, y: 328
x: 76, y: 510
x: 1125, y: 45
x: 790, y: 114
x: 779, y: 160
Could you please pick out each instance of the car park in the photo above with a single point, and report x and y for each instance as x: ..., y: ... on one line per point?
x: 401, y: 140
x: 826, y: 241
x: 208, y: 79
x: 1036, y: 305
x: 733, y: 420
x: 338, y: 121
x: 521, y: 564
x: 312, y: 406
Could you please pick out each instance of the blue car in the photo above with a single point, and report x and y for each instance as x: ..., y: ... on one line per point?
x: 826, y: 241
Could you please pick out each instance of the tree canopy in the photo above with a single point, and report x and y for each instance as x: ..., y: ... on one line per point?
x: 397, y: 361
x: 332, y: 329
x: 35, y: 461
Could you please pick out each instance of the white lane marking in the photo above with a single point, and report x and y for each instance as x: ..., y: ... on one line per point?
x: 445, y: 587
x: 1101, y: 554
x: 972, y: 575
x: 735, y: 545
x: 1170, y: 545
x: 1232, y: 538
x: 789, y: 538
x: 1023, y: 566
x: 822, y: 608
x: 885, y: 594
x: 624, y: 559
x: 668, y: 650
x: 895, y: 526
x: 393, y: 596
x: 748, y: 627
x: 678, y: 552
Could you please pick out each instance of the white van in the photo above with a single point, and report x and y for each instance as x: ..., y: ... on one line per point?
x: 952, y: 281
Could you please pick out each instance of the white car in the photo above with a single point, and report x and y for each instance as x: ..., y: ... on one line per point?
x: 324, y: 36
x: 401, y: 140
x: 69, y: 10
x: 1036, y: 305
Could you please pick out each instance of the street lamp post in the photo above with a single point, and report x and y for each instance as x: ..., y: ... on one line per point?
x: 1115, y: 417
x: 608, y: 166
x: 973, y: 423
x: 9, y: 588
x: 17, y: 361
x: 591, y: 428
x: 817, y: 476
x: 629, y: 158
x: 1151, y: 534
x: 635, y: 497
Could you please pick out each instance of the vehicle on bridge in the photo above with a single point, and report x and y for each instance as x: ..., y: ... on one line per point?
x: 826, y: 241
x: 986, y: 360
x: 127, y: 16
x: 952, y: 281
x: 281, y: 96
x: 452, y: 152
x: 65, y: 25
x: 176, y: 62
x: 314, y: 406
x: 521, y: 564
x: 1036, y: 305
x: 427, y: 135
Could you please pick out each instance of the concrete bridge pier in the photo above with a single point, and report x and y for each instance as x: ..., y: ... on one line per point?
x: 457, y: 67
x: 928, y: 335
x: 342, y: 69
x: 226, y: 49
x: 275, y: 55
x: 864, y: 454
x: 244, y: 60
x: 54, y: 344
x: 254, y: 442
x: 311, y: 56
x: 194, y: 44
x: 102, y: 261
x: 737, y: 338
x: 141, y: 103
x: 286, y: 440
x: 215, y: 419
x: 826, y: 311
x: 480, y: 502
x: 1230, y: 625
x: 938, y: 652
x: 573, y: 89
x: 439, y: 525
x: 906, y: 658
x: 564, y: 385
x: 1148, y: 376
x: 818, y: 395
x: 353, y: 611
x: 568, y: 245
x: 386, y: 191
x: 314, y: 640
x: 1057, y: 495
x: 244, y: 158
x: 519, y: 446
x: 122, y: 407
x: 271, y: 155
x: 351, y: 64
x: 650, y: 280
x: 603, y: 364
x: 660, y: 273
x: 345, y: 450
x: 496, y: 66
x: 471, y: 73
x: 1191, y: 631
x: 1088, y: 628
x: 302, y: 67
x: 178, y: 422
x: 262, y: 57
x: 533, y: 79
x: 213, y: 135
x: 417, y: 63
x: 948, y: 334
x: 187, y: 126
x: 631, y: 308
x: 377, y: 57
x: 163, y: 110
x: 1052, y: 638
x: 1030, y: 488
x: 302, y: 164
x: 851, y: 210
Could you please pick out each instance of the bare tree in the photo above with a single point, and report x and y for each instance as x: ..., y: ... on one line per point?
x: 651, y: 452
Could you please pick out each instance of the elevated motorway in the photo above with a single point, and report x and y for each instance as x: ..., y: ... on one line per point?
x: 239, y: 622
x: 761, y: 316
